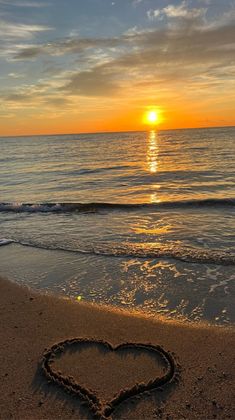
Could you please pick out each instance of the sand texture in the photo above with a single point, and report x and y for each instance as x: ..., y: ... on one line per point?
x: 65, y: 359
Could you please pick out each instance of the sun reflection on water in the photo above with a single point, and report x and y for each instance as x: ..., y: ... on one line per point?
x: 152, y: 162
x: 154, y: 197
x: 152, y: 152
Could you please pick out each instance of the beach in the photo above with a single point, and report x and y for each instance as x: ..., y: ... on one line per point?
x: 117, y: 210
x: 202, y: 384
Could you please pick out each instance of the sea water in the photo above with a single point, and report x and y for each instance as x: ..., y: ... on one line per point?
x: 141, y: 220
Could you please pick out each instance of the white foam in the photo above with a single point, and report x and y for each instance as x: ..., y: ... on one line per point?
x: 223, y: 283
x: 5, y: 241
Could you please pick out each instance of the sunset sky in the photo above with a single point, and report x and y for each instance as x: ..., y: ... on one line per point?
x: 70, y: 66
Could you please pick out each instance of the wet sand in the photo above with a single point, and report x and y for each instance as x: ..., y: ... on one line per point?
x: 66, y: 359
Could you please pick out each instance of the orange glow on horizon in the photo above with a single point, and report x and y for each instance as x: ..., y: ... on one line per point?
x: 130, y: 117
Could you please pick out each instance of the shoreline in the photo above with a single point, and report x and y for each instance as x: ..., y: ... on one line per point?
x: 48, y: 270
x: 33, y: 322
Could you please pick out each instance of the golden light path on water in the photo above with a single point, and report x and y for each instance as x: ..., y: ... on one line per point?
x: 153, y: 161
x: 146, y: 225
x: 153, y: 152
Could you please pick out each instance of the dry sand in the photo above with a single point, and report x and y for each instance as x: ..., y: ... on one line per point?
x: 200, y: 385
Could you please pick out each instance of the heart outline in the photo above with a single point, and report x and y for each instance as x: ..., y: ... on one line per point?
x: 88, y: 397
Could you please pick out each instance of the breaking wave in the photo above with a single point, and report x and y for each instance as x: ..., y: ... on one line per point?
x: 96, y: 207
x: 4, y: 241
x: 138, y: 250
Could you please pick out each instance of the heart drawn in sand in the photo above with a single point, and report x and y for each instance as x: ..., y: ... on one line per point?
x: 130, y: 360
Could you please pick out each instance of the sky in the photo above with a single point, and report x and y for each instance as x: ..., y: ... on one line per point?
x: 70, y: 66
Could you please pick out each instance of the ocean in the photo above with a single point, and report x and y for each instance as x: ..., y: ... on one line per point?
x: 138, y: 220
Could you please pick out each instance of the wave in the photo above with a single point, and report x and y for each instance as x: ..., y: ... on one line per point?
x: 139, y: 250
x: 96, y: 207
x: 4, y: 241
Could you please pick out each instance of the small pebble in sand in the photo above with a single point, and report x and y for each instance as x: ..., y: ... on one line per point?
x: 159, y: 412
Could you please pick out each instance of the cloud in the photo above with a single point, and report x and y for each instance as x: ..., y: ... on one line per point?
x: 162, y: 56
x: 15, y: 75
x: 57, y: 101
x: 11, y: 30
x: 17, y: 97
x: 69, y: 45
x: 99, y: 81
x: 181, y: 11
x: 29, y: 52
x: 194, y: 59
x: 33, y: 4
x: 172, y: 56
x: 152, y: 14
x: 34, y: 97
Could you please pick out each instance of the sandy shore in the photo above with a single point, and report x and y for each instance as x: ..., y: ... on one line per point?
x: 197, y: 383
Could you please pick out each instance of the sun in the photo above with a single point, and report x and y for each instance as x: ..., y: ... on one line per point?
x: 151, y: 117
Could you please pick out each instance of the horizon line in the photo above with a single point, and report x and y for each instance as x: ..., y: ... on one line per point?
x: 110, y: 132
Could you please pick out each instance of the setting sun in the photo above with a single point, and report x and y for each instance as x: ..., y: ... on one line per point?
x: 117, y: 164
x: 152, y: 117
